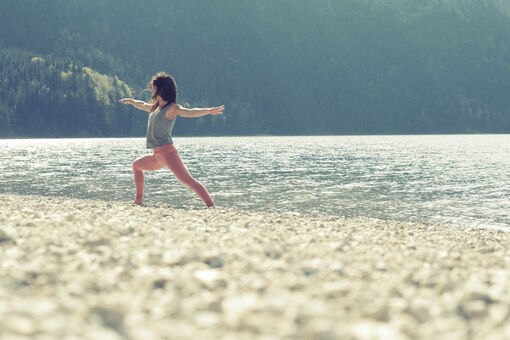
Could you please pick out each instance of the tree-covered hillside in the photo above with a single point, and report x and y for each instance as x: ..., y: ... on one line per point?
x: 49, y: 96
x: 280, y: 66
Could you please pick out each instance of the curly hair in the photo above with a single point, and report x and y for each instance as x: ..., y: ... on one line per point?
x: 166, y: 87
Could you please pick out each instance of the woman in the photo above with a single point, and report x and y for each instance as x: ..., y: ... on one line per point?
x: 162, y: 114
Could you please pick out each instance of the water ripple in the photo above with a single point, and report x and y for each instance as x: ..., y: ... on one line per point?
x: 431, y: 179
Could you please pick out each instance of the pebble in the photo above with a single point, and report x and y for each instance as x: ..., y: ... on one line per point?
x: 110, y: 317
x: 4, y: 237
x: 214, y: 261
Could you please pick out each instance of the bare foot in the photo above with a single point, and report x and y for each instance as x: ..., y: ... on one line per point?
x: 137, y: 203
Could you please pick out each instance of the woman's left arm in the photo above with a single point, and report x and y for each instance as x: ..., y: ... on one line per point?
x: 178, y: 110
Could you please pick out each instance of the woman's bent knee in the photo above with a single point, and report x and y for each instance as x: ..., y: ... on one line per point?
x: 135, y: 166
x: 147, y: 163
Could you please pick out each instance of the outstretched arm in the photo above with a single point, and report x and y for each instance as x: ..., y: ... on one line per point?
x: 177, y: 110
x: 139, y: 104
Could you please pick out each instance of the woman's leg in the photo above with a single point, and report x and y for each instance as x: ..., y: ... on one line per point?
x: 147, y: 163
x: 171, y: 159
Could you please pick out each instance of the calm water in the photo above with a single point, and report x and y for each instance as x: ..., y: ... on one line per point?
x: 448, y: 179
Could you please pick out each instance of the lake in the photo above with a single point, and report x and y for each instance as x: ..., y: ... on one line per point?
x: 451, y: 179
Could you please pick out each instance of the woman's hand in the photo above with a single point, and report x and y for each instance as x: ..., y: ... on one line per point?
x: 217, y: 110
x: 127, y: 101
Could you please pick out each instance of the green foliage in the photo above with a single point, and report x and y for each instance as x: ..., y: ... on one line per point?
x: 281, y: 67
x: 46, y: 96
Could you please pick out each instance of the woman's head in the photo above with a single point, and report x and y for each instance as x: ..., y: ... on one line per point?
x: 163, y: 85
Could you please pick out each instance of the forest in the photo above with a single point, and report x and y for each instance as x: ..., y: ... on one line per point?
x: 281, y: 67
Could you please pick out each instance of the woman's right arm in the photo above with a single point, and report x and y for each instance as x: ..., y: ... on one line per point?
x: 139, y: 104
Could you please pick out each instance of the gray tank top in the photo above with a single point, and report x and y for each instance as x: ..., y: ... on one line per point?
x: 159, y: 129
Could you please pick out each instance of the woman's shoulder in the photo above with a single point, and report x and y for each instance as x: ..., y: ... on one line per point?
x: 172, y: 106
x: 171, y: 110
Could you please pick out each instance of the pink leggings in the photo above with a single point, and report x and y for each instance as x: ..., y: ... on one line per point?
x: 167, y: 156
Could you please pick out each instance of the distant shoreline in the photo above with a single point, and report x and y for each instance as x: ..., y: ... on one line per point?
x: 264, y: 135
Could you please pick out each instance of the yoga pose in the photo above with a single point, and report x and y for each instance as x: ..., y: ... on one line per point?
x: 162, y: 114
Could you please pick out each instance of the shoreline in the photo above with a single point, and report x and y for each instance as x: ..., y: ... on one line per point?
x: 275, y: 136
x: 98, y: 269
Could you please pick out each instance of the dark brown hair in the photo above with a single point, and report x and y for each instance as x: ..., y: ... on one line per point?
x: 165, y: 87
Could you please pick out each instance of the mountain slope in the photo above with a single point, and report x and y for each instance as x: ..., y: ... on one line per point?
x: 287, y: 67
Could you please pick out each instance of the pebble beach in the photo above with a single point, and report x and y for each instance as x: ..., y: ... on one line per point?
x: 90, y: 269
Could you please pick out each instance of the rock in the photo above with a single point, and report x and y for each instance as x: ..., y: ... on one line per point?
x: 99, y: 242
x: 159, y: 284
x: 178, y: 258
x: 473, y: 309
x: 236, y: 308
x: 421, y: 314
x: 4, y: 237
x: 22, y: 325
x: 110, y: 317
x: 366, y: 330
x: 214, y: 261
x: 479, y: 296
x: 380, y: 313
x: 210, y: 278
x: 325, y: 335
x: 207, y: 319
x: 273, y: 254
